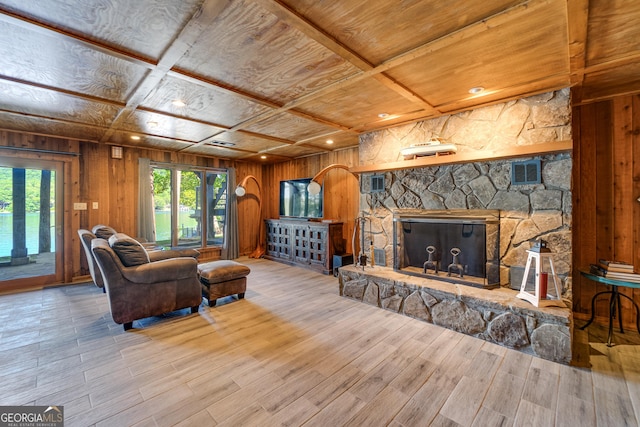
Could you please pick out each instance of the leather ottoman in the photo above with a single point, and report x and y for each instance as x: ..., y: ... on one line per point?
x: 222, y: 278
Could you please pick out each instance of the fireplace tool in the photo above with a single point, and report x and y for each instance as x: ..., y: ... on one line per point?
x: 455, y: 264
x: 430, y: 262
x: 361, y: 260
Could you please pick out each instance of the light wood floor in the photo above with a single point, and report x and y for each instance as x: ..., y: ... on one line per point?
x: 292, y: 353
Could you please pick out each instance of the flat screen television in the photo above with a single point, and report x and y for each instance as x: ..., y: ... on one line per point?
x: 296, y: 202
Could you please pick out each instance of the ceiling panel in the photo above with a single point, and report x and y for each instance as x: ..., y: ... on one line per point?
x: 203, y: 102
x: 497, y: 58
x: 247, y: 141
x: 290, y: 127
x: 148, y: 141
x: 143, y: 27
x: 623, y: 80
x: 382, y: 30
x: 49, y: 127
x: 213, y: 151
x: 293, y: 151
x: 41, y: 102
x: 489, y: 97
x: 144, y: 122
x: 339, y: 140
x: 358, y: 105
x: 260, y: 54
x: 59, y: 62
x: 613, y: 31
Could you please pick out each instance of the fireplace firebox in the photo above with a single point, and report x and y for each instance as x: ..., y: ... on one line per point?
x: 460, y: 246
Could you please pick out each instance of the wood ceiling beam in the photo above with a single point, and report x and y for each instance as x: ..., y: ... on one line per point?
x: 465, y: 33
x: 191, y: 32
x: 620, y: 61
x: 577, y: 23
x: 309, y: 29
x: 156, y: 75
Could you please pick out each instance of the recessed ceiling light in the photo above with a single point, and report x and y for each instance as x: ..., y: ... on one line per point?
x: 179, y: 103
x: 475, y: 90
x: 383, y: 115
x: 135, y: 137
x: 329, y: 141
x: 263, y: 157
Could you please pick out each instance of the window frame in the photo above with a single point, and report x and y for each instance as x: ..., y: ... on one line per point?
x: 175, y: 202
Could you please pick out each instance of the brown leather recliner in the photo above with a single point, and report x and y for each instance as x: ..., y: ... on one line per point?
x: 87, y: 236
x: 104, y: 232
x: 137, y: 288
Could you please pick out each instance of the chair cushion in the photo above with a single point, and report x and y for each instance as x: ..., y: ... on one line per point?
x: 128, y: 249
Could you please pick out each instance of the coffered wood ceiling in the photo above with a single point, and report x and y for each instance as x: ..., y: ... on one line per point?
x: 280, y: 77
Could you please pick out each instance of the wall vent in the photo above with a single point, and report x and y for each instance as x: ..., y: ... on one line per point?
x: 527, y: 172
x: 377, y: 183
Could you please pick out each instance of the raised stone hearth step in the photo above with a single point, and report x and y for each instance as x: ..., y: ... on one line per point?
x: 492, y: 315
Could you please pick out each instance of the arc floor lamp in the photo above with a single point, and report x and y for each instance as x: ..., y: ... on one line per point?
x: 241, y: 191
x: 315, y: 185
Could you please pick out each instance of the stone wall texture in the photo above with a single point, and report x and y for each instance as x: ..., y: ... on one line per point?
x: 492, y: 315
x: 528, y: 212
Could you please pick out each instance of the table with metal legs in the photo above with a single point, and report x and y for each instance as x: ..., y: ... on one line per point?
x: 614, y: 301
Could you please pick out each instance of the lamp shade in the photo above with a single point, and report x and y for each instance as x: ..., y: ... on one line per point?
x: 240, y: 191
x: 314, y: 188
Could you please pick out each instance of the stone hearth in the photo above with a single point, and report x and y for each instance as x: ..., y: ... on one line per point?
x: 492, y: 315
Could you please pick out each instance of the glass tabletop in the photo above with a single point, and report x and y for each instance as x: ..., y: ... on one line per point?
x: 609, y: 281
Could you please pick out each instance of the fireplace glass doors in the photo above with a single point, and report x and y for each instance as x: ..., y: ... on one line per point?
x: 455, y: 246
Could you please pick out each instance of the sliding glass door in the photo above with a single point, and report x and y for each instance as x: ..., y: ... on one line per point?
x: 30, y: 221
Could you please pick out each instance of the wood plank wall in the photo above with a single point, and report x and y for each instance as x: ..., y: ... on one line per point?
x: 606, y: 212
x: 341, y: 188
x: 91, y: 175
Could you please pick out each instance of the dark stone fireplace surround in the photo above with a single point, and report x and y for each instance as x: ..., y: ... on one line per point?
x: 494, y: 315
x: 489, y: 313
x: 527, y: 213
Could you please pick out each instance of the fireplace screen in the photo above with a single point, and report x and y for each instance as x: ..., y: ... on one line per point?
x: 458, y: 248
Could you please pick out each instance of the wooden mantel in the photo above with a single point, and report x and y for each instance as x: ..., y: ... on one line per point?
x: 449, y: 159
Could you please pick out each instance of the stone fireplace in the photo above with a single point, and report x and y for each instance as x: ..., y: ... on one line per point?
x: 459, y: 246
x: 514, y: 216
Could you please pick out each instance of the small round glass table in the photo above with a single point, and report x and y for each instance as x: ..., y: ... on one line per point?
x: 614, y: 301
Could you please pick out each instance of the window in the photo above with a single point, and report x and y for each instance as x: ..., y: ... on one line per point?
x: 190, y: 205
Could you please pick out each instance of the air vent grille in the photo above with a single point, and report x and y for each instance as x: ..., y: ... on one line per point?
x: 377, y: 183
x: 525, y: 172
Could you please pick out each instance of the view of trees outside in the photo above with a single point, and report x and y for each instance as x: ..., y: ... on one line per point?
x: 32, y: 196
x: 37, y: 239
x: 190, y: 205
